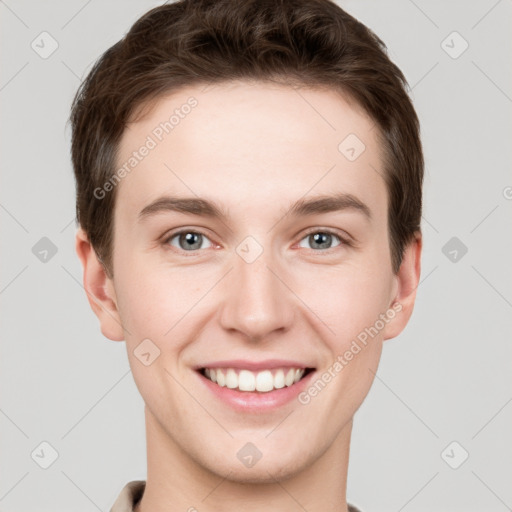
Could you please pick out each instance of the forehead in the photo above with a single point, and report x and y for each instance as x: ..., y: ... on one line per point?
x: 251, y: 145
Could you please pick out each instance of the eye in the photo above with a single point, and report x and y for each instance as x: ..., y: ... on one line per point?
x: 322, y: 239
x: 187, y: 240
x: 191, y: 241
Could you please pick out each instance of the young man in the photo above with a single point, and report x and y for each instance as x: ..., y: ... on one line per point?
x: 249, y: 183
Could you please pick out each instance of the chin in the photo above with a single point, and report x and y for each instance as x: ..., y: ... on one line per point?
x: 263, y: 472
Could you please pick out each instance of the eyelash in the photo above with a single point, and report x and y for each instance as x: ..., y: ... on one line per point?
x: 344, y: 241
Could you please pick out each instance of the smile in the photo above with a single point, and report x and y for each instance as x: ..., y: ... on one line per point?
x: 262, y: 381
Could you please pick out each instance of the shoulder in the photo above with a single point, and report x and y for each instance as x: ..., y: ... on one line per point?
x: 129, y: 496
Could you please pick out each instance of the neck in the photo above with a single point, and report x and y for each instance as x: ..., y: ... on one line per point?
x: 176, y: 482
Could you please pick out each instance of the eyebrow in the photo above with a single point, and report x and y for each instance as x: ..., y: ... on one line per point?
x: 301, y: 208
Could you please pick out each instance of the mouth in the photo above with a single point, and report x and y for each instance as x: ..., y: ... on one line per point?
x: 248, y: 381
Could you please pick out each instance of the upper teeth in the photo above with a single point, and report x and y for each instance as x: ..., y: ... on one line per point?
x: 245, y: 380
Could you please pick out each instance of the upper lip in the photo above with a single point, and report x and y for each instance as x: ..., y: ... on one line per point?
x: 241, y: 364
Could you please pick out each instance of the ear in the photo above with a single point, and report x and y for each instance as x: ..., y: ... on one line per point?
x: 99, y: 288
x: 407, y: 281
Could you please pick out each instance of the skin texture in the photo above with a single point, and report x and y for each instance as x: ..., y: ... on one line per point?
x: 254, y: 148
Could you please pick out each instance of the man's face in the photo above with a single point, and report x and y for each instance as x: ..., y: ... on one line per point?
x: 260, y: 284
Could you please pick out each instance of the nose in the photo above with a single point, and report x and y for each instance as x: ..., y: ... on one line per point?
x: 258, y: 303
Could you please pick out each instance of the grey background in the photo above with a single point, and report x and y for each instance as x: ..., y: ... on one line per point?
x: 445, y: 379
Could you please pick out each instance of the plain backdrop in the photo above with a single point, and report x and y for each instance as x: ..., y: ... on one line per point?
x: 434, y: 431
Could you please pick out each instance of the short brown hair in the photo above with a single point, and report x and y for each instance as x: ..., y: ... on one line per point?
x: 312, y: 43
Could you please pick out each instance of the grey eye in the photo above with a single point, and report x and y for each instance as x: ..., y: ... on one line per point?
x: 321, y: 239
x: 188, y: 240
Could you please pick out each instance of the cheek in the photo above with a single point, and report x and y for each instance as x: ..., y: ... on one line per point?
x: 153, y: 300
x: 345, y: 300
x: 151, y: 304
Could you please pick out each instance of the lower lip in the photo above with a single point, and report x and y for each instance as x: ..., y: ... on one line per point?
x: 254, y: 401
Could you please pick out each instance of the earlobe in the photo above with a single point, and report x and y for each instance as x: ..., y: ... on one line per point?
x: 407, y: 281
x: 99, y: 289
